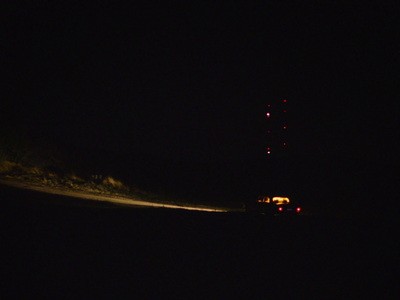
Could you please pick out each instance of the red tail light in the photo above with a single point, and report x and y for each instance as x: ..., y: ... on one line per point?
x: 298, y: 209
x: 280, y: 208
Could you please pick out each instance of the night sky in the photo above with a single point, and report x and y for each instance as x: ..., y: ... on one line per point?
x: 189, y: 84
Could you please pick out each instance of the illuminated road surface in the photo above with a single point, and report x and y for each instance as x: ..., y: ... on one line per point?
x: 106, y: 198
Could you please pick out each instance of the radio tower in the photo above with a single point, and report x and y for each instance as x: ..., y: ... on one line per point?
x: 276, y: 128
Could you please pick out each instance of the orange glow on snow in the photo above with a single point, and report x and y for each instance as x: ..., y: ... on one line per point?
x: 264, y: 200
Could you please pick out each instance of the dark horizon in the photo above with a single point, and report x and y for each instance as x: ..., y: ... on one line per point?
x: 159, y: 89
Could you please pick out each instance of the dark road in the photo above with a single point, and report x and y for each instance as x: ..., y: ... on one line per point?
x: 53, y: 249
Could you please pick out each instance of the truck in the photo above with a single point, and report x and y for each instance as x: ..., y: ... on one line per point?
x: 274, y: 206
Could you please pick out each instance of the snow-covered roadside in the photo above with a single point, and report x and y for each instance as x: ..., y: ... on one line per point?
x: 115, y: 199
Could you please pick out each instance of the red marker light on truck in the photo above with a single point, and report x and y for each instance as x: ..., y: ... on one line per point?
x: 298, y: 209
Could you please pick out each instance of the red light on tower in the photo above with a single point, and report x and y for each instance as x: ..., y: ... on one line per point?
x: 284, y: 100
x: 268, y: 114
x: 284, y: 127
